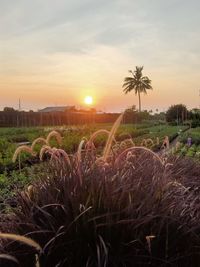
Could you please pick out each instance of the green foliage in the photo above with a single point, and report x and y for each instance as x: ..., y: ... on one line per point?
x: 193, y: 151
x: 183, y: 151
x: 72, y: 136
x: 194, y: 134
x: 160, y: 131
x: 9, y: 182
x: 6, y: 152
x: 197, y: 155
x: 133, y: 116
x: 12, y: 182
x: 190, y: 153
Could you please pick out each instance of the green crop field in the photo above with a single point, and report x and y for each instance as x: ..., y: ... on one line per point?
x: 193, y: 150
x: 11, y: 138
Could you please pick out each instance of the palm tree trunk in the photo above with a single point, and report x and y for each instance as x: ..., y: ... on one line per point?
x: 139, y: 101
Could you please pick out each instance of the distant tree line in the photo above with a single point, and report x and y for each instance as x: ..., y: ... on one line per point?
x: 132, y: 115
x: 178, y: 114
x: 13, y: 118
x: 10, y: 117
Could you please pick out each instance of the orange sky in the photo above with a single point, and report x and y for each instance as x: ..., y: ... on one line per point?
x: 67, y: 50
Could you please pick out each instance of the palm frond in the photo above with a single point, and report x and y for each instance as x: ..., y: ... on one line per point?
x: 137, y: 83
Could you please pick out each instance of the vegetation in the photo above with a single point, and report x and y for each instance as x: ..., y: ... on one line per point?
x: 96, y: 213
x: 194, y: 134
x: 102, y: 200
x: 189, y: 149
x: 11, y: 138
x: 177, y: 114
x: 16, y: 175
x: 12, y: 182
x: 195, y: 117
x: 138, y: 83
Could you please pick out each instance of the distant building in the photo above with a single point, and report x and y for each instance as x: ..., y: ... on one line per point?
x: 57, y: 109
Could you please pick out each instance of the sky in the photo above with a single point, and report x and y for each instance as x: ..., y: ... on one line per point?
x: 56, y: 52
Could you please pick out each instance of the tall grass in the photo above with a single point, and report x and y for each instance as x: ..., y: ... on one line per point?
x: 21, y: 239
x: 129, y: 208
x: 44, y: 149
x: 38, y: 140
x: 21, y: 149
x: 135, y: 211
x: 111, y: 136
x: 54, y: 134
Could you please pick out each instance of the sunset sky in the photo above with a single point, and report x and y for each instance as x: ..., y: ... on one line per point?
x: 55, y: 52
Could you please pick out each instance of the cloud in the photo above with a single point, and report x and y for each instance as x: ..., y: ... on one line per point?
x: 61, y: 42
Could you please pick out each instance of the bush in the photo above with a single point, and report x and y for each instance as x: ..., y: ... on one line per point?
x: 131, y: 210
x: 190, y: 153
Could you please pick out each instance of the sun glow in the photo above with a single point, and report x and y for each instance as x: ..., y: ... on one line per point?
x: 88, y: 100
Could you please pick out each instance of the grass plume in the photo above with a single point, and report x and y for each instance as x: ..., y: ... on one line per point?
x: 23, y: 239
x: 56, y: 135
x: 40, y: 140
x: 43, y: 150
x: 21, y: 149
x: 9, y: 258
x: 110, y: 139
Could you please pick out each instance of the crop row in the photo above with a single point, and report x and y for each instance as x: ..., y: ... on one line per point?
x: 189, y: 151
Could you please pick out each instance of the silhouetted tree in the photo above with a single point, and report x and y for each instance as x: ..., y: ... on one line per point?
x: 9, y: 109
x: 177, y: 113
x: 138, y: 83
x: 195, y: 117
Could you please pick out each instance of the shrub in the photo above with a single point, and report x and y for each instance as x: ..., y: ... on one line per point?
x: 130, y: 210
x: 190, y: 153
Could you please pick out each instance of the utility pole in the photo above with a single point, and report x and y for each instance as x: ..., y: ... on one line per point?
x: 19, y: 104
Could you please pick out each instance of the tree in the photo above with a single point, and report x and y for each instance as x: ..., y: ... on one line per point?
x: 138, y: 83
x: 132, y: 115
x: 177, y: 113
x: 9, y: 109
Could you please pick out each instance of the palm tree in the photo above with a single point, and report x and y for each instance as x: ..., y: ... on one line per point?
x: 138, y: 83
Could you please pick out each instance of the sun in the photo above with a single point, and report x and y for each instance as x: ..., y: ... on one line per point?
x: 88, y: 100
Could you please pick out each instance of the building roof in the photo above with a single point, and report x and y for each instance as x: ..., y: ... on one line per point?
x: 57, y: 109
